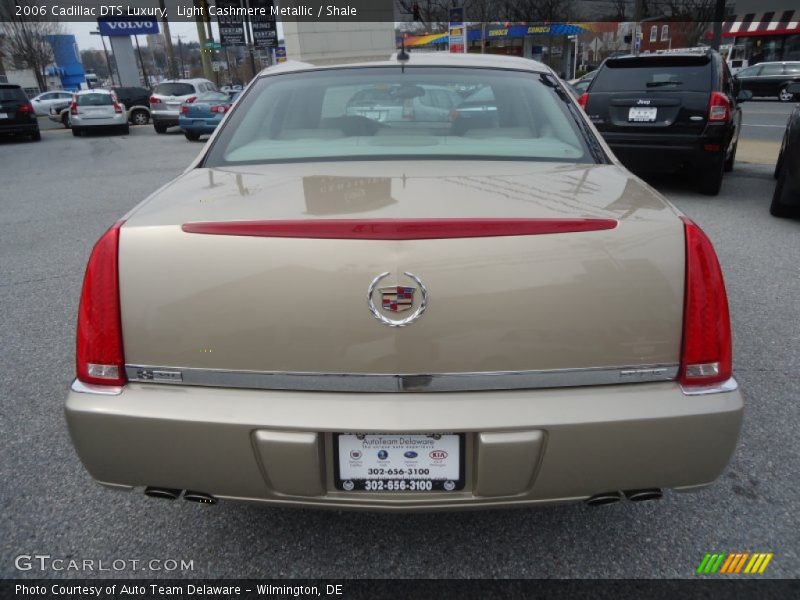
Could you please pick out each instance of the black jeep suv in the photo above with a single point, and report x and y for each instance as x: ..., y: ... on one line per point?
x: 664, y: 112
x: 17, y: 116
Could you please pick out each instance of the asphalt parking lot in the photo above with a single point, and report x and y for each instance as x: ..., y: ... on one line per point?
x: 59, y: 195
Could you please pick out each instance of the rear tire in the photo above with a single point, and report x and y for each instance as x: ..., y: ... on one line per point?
x: 784, y: 202
x: 710, y: 180
x: 192, y: 137
x: 36, y: 136
x: 65, y: 120
x: 76, y: 132
x: 125, y: 130
x: 160, y: 128
x: 140, y: 117
x: 785, y: 96
x: 732, y: 158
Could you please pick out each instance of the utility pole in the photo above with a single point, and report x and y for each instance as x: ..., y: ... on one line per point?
x: 180, y: 51
x: 141, y: 61
x: 205, y: 53
x: 637, y: 17
x: 719, y: 15
x: 172, y: 69
x: 249, y: 41
x: 105, y: 51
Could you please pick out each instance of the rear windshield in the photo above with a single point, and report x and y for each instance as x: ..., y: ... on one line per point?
x: 213, y: 97
x: 95, y: 100
x: 387, y: 112
x: 680, y: 74
x: 174, y: 89
x: 12, y: 94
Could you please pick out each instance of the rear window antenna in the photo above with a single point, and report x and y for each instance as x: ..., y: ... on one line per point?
x: 403, y: 56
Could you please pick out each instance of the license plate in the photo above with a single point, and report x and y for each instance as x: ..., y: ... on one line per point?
x: 399, y: 462
x: 3, y: 115
x: 642, y: 115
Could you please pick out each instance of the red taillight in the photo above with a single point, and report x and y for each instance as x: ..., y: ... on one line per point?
x: 184, y: 110
x: 219, y: 109
x: 117, y: 107
x: 706, y: 356
x: 25, y: 109
x: 583, y: 100
x: 100, y: 360
x: 154, y: 100
x: 73, y: 108
x: 190, y: 99
x: 720, y: 107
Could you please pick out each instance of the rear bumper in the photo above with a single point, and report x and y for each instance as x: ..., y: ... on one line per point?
x: 19, y: 127
x: 116, y: 121
x: 668, y: 152
x: 197, y: 125
x: 165, y: 117
x: 522, y: 447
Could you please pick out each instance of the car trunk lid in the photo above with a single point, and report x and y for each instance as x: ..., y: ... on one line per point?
x: 266, y: 303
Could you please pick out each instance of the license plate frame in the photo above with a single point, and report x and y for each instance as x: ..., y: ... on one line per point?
x: 642, y: 114
x: 393, y: 482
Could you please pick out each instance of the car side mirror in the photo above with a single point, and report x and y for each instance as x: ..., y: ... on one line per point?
x: 793, y: 88
x: 744, y: 96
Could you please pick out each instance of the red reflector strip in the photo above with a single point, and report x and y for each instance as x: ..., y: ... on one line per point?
x: 399, y: 229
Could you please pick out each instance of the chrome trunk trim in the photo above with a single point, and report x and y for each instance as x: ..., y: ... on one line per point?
x: 88, y: 388
x: 440, y: 382
x: 729, y: 385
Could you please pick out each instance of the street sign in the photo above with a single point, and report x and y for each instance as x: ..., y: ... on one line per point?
x: 280, y: 54
x: 231, y: 28
x: 265, y: 32
x: 118, y: 27
x: 212, y: 46
x: 457, y: 31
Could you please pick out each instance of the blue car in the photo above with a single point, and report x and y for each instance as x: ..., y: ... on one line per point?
x: 203, y: 114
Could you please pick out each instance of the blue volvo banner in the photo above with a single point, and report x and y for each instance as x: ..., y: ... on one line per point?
x: 113, y: 27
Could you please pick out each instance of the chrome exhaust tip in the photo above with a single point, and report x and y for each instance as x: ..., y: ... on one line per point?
x: 199, y: 497
x: 642, y: 495
x: 604, y: 498
x: 165, y: 493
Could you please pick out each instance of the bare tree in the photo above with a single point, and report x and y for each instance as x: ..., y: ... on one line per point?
x: 25, y: 40
x: 694, y: 14
x: 539, y: 10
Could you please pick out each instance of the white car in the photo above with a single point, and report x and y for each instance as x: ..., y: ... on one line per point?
x: 97, y: 108
x: 43, y: 102
x: 165, y: 103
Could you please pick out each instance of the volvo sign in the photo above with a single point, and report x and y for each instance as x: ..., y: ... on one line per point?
x: 115, y: 27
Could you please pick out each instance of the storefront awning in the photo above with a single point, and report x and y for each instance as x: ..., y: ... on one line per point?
x: 425, y: 40
x: 760, y: 24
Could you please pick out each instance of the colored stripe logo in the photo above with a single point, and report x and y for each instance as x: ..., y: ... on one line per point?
x: 734, y: 563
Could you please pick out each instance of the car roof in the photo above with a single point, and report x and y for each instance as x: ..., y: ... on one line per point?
x: 427, y: 59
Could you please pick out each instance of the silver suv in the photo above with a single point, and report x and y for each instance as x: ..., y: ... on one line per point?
x: 165, y: 103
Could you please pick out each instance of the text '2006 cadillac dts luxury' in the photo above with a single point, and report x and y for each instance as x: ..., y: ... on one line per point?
x: 414, y: 284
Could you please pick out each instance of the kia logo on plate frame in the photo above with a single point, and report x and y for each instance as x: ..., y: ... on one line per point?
x: 438, y: 454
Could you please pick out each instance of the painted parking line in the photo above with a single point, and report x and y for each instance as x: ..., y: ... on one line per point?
x: 754, y: 125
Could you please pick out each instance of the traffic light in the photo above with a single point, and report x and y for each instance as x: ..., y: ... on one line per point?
x: 415, y: 12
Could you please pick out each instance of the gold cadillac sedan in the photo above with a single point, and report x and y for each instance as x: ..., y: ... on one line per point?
x: 424, y: 283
